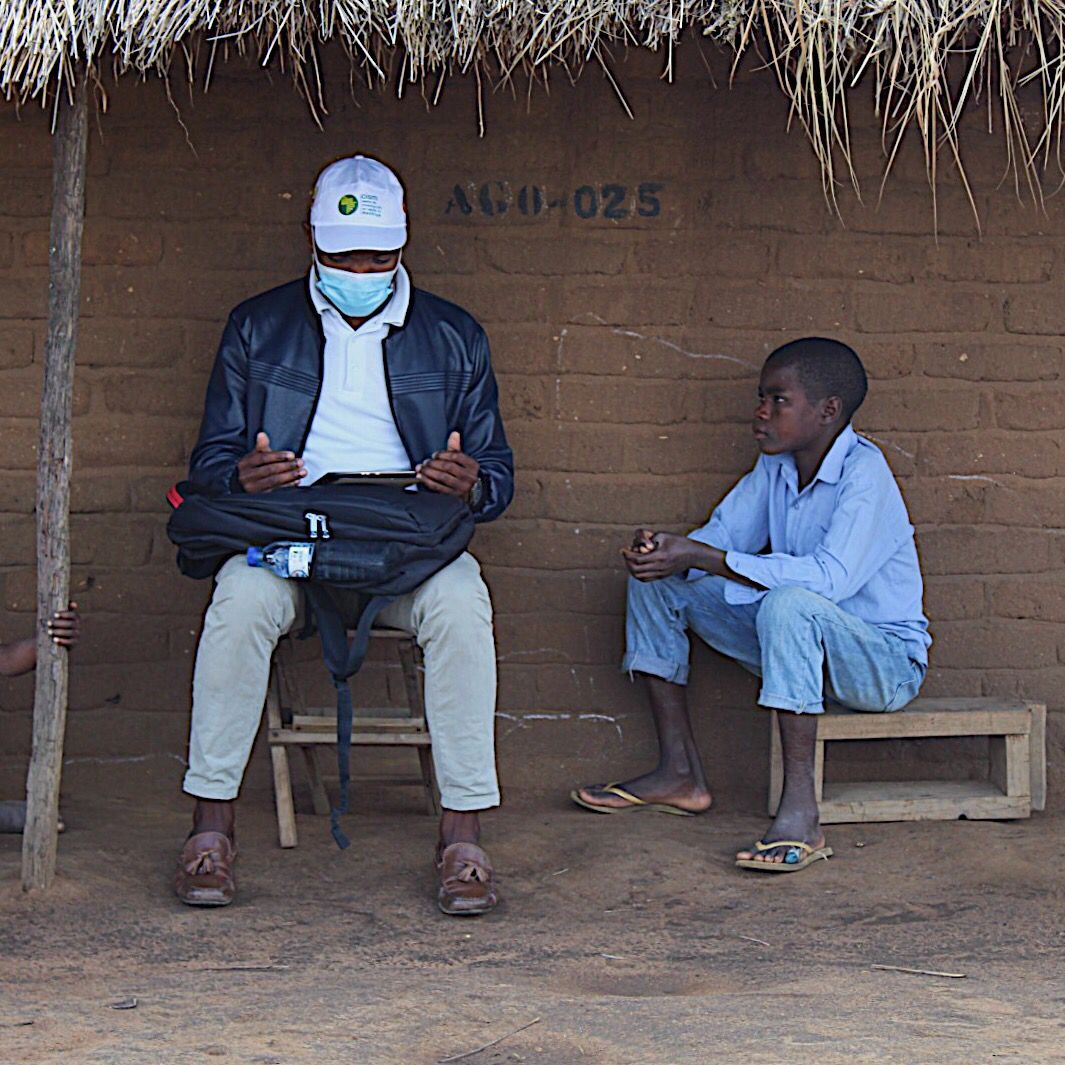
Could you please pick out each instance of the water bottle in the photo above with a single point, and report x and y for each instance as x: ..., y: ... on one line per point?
x: 286, y: 558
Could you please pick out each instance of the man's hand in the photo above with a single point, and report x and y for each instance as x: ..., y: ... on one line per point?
x: 64, y: 626
x: 655, y: 555
x: 263, y: 469
x: 451, y: 471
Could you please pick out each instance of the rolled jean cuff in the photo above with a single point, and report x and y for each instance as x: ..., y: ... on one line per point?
x: 466, y: 803
x: 199, y: 788
x: 783, y: 702
x: 674, y: 672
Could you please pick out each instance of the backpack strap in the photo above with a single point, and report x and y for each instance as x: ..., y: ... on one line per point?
x: 342, y: 659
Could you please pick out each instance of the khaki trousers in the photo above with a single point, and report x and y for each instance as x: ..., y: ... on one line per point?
x: 451, y: 616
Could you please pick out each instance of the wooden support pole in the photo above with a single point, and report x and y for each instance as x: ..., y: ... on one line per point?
x: 39, y: 841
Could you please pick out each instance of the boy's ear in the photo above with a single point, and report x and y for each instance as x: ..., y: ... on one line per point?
x: 831, y: 409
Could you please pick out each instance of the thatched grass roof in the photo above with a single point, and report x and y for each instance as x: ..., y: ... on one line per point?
x: 923, y: 61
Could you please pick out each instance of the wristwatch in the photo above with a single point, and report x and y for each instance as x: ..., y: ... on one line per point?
x: 476, y: 495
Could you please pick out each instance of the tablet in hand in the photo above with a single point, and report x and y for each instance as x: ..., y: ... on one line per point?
x: 399, y: 477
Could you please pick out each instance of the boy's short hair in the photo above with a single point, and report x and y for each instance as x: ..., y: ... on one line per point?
x: 825, y: 367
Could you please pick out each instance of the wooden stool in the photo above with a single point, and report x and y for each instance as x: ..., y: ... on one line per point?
x: 1017, y: 771
x: 290, y: 722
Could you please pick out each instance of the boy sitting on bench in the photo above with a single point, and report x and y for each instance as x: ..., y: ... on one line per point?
x: 806, y: 574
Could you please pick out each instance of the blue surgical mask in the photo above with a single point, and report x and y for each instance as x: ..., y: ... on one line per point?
x: 356, y: 295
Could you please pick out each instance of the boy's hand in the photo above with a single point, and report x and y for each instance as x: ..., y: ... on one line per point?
x: 643, y: 541
x: 263, y: 469
x: 656, y: 555
x: 451, y: 471
x: 64, y: 626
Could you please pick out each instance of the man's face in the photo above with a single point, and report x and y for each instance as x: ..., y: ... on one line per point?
x: 356, y: 261
x: 359, y: 262
x: 785, y: 419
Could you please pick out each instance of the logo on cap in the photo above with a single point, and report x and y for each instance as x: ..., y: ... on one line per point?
x: 348, y: 204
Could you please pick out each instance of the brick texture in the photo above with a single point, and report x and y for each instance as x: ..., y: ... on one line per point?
x: 632, y: 276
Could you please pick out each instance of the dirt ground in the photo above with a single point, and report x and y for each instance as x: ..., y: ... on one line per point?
x: 627, y: 940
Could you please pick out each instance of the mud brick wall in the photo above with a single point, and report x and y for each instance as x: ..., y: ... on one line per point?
x: 632, y: 275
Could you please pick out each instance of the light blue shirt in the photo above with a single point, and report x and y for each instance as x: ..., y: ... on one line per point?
x: 846, y: 536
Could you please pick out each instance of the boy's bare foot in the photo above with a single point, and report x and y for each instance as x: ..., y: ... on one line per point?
x: 655, y: 787
x: 800, y: 824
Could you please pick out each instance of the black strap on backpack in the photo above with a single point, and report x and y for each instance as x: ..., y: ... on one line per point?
x: 330, y: 608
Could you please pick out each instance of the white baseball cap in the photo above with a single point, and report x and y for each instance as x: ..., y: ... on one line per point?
x: 358, y: 204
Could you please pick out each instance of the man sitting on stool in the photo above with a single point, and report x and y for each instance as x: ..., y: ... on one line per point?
x: 350, y: 368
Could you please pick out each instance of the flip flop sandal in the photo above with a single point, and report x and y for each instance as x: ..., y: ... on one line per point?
x: 634, y: 801
x: 798, y: 856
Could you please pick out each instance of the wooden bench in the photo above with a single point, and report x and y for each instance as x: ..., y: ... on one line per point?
x: 291, y: 723
x: 1016, y: 782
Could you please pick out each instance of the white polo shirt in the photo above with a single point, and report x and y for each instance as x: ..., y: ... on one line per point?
x: 353, y: 428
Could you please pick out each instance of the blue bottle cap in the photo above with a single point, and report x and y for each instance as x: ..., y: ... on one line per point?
x: 255, y: 556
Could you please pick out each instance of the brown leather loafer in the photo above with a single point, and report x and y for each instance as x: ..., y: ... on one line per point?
x: 204, y: 874
x: 467, y: 881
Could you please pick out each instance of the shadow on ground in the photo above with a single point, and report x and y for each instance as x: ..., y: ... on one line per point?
x: 629, y: 940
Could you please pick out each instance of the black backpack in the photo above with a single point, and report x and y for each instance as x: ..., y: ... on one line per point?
x: 371, y: 544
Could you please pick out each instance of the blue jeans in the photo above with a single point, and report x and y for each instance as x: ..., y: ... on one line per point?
x: 801, y: 644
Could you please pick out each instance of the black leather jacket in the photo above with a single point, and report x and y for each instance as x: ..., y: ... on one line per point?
x: 268, y: 374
